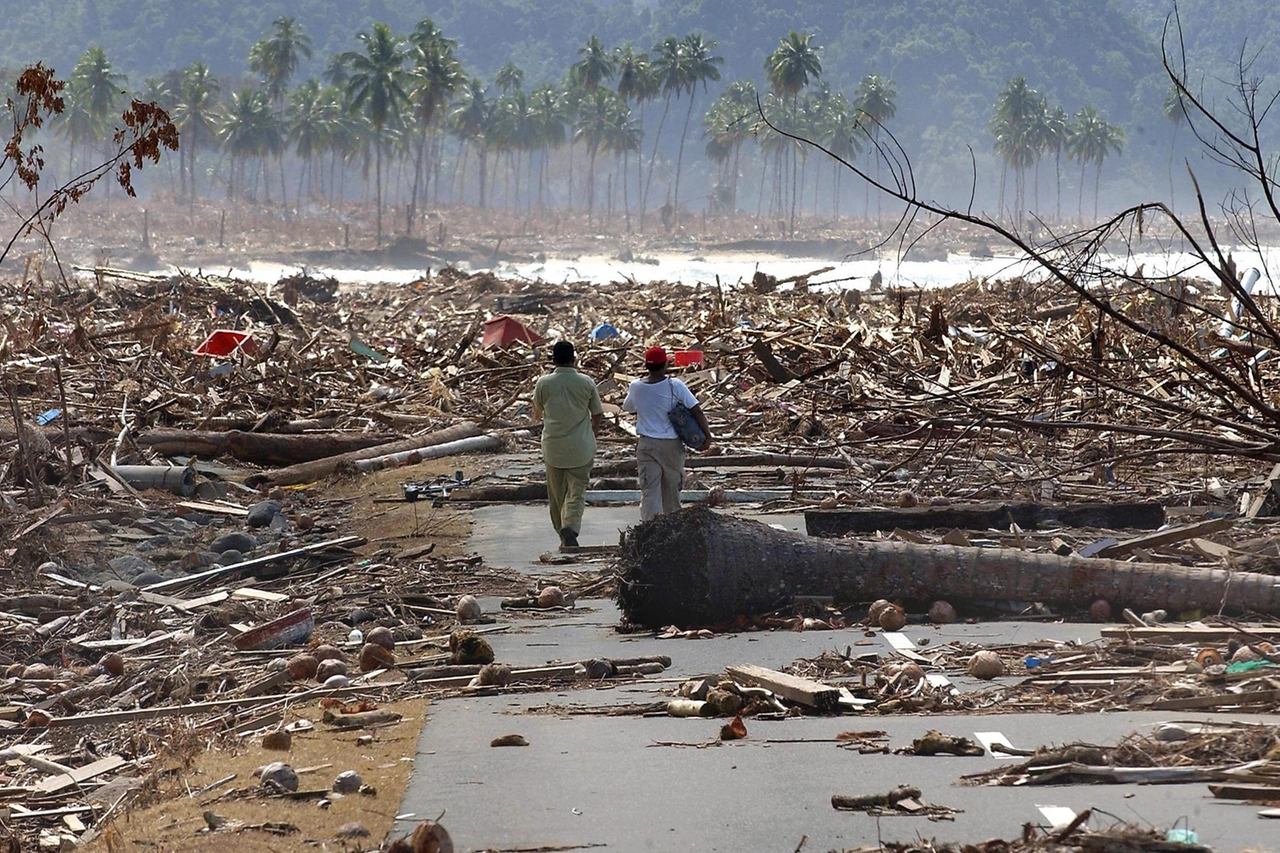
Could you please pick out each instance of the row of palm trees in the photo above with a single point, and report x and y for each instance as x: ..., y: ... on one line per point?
x: 404, y: 108
x: 1026, y: 129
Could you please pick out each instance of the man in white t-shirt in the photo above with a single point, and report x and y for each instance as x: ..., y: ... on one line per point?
x: 659, y: 452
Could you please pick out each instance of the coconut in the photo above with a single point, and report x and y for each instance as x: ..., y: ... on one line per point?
x: 374, y: 656
x: 985, y: 665
x: 430, y: 837
x: 552, y: 596
x: 893, y: 618
x: 1244, y: 654
x: 1100, y: 610
x: 278, y: 776
x: 942, y: 613
x: 381, y: 636
x: 1209, y: 657
x: 327, y: 652
x: 304, y: 522
x: 877, y: 607
x: 906, y: 500
x: 329, y: 668
x: 113, y: 663
x: 39, y: 672
x: 302, y: 667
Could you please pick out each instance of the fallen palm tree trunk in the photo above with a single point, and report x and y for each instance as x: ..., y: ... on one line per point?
x: 829, y: 523
x: 429, y: 451
x: 307, y: 471
x: 697, y: 567
x: 260, y: 448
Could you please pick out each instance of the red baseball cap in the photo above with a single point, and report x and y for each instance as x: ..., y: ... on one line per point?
x: 656, y: 356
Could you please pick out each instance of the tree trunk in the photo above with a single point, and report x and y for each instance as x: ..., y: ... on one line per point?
x: 684, y: 133
x: 257, y: 447
x: 697, y: 567
x: 307, y: 471
x: 653, y: 156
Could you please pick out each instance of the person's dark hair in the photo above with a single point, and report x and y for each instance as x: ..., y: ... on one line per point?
x: 562, y: 353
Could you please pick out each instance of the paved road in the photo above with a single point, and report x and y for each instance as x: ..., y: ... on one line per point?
x: 601, y: 780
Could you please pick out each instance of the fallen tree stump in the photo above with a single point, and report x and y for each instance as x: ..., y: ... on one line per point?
x: 698, y: 567
x: 831, y: 523
x: 259, y: 448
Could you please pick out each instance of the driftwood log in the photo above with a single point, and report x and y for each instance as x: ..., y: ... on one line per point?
x: 831, y: 523
x: 698, y: 567
x: 306, y: 472
x: 259, y: 448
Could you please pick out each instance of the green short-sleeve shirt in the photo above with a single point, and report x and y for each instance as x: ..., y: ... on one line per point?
x: 567, y: 399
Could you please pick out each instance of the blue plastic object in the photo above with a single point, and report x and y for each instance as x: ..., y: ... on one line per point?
x: 48, y: 417
x: 604, y: 332
x: 1033, y: 661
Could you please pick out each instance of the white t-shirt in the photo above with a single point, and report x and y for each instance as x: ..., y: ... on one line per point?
x: 651, y: 402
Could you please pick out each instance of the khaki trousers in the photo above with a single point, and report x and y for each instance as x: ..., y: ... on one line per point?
x: 661, y: 464
x: 567, y: 496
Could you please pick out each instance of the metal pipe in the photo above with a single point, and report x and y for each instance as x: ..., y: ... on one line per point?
x: 180, y: 480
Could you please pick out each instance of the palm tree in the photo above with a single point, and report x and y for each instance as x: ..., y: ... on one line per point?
x: 276, y: 58
x: 875, y: 99
x: 728, y: 125
x: 602, y: 113
x: 472, y: 120
x: 197, y: 113
x: 509, y: 78
x: 1057, y: 129
x: 789, y: 69
x: 622, y: 136
x: 1176, y: 112
x: 1017, y: 110
x: 309, y: 128
x: 434, y: 76
x: 1092, y: 140
x: 667, y: 69
x: 595, y: 67
x: 699, y: 65
x: 637, y: 85
x: 546, y: 108
x: 377, y: 87
x: 250, y: 129
x: 98, y: 89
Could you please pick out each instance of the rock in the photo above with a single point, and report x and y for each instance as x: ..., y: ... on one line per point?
x: 468, y: 610
x: 280, y: 741
x: 353, y: 829
x: 278, y: 776
x: 347, y: 782
x: 130, y: 564
x: 147, y: 578
x: 304, y: 522
x: 329, y: 668
x: 405, y: 633
x: 509, y: 740
x: 230, y: 557
x: 197, y: 561
x: 359, y: 616
x: 381, y: 636
x: 235, y: 541
x: 262, y: 513
x: 334, y: 682
x: 1100, y: 610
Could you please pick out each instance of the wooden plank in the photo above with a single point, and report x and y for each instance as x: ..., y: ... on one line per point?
x: 1224, y: 700
x: 1167, y: 537
x: 1269, y: 793
x: 793, y: 688
x: 1187, y: 633
x: 532, y: 674
x: 222, y: 509
x: 256, y: 562
x: 80, y: 774
x: 248, y: 593
x: 832, y: 523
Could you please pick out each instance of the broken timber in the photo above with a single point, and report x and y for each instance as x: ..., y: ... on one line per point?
x: 696, y: 567
x: 790, y: 687
x: 833, y: 523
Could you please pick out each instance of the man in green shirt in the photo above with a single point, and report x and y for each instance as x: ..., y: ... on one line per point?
x: 568, y: 405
